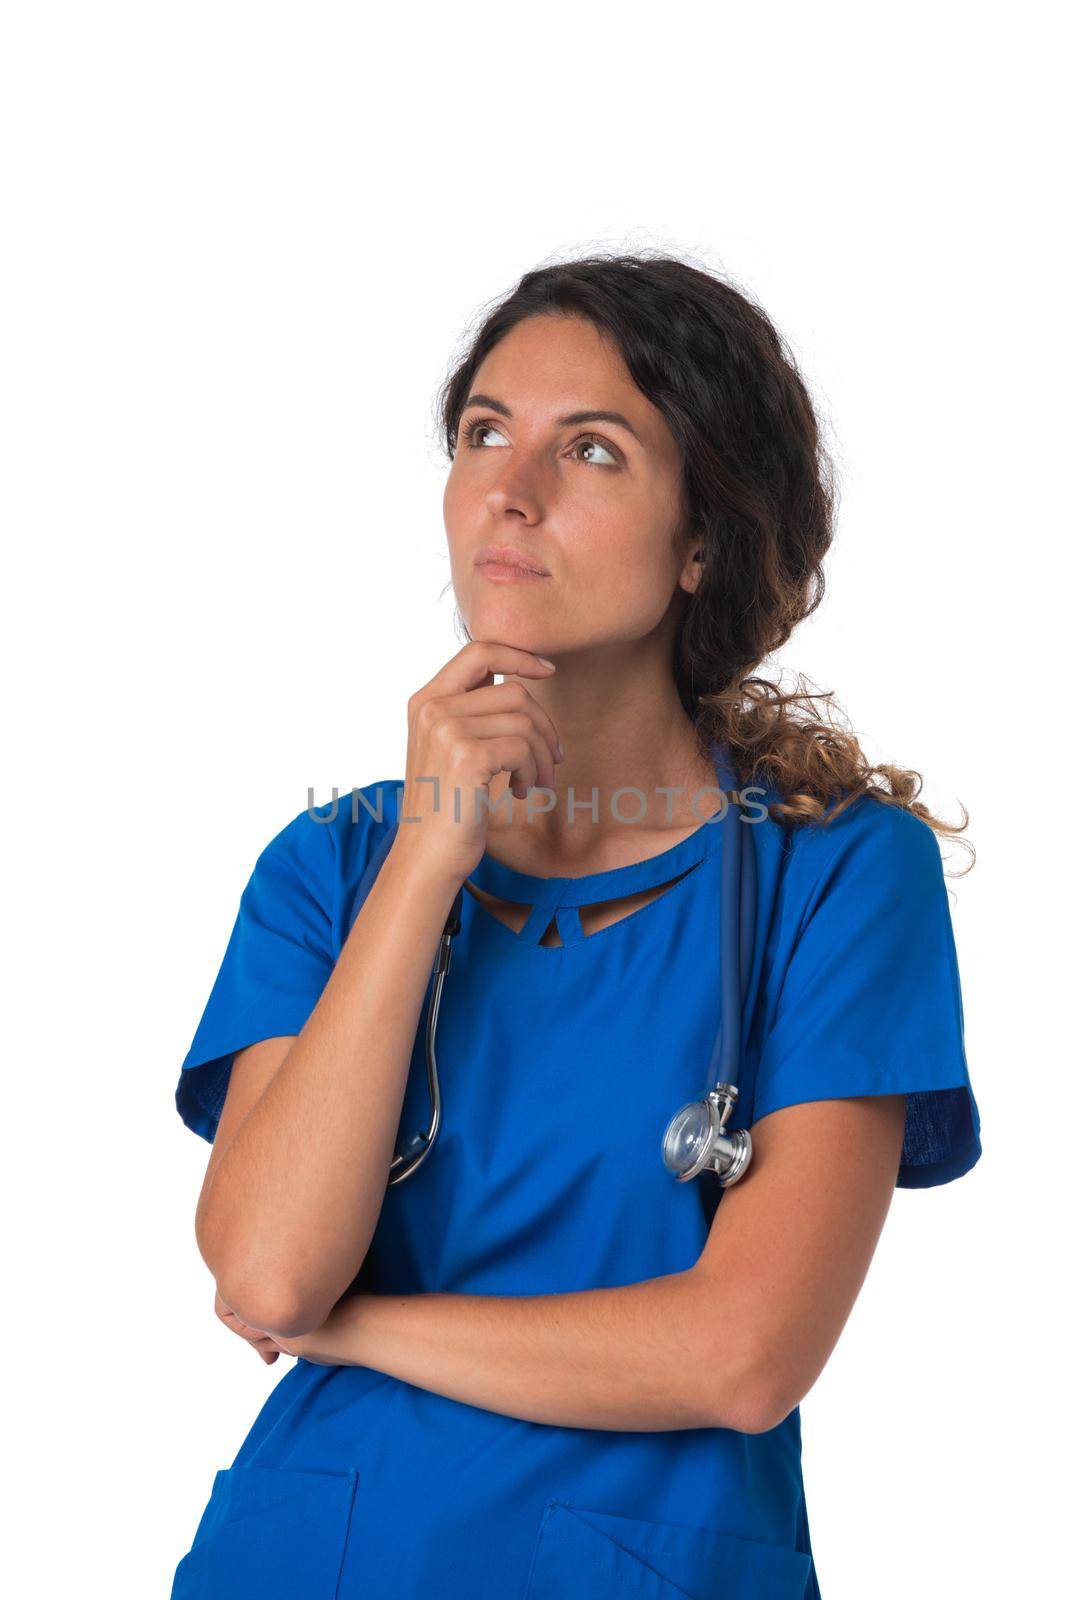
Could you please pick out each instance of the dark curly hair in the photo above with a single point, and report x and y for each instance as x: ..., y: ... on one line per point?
x: 759, y: 488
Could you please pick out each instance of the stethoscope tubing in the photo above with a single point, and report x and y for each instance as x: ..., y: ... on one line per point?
x: 727, y: 1154
x: 738, y: 915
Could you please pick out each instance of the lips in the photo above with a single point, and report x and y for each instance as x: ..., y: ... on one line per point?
x: 506, y: 555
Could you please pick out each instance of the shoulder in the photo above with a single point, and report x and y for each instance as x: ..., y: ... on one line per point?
x: 871, y: 850
x: 869, y: 830
x: 334, y: 838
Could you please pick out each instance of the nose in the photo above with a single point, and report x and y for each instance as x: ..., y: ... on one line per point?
x: 517, y: 485
x: 504, y: 502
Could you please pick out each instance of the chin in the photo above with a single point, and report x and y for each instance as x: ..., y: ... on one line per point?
x: 509, y: 622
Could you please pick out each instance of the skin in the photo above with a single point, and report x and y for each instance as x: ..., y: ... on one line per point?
x: 600, y: 510
x: 739, y: 1338
x: 736, y: 1341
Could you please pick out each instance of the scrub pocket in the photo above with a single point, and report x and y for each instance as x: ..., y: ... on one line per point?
x: 592, y: 1555
x: 269, y: 1533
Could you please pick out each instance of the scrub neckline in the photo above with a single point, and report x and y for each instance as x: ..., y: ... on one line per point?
x: 559, y: 897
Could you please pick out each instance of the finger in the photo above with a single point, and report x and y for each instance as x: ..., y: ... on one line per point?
x: 245, y: 1330
x: 518, y: 725
x: 476, y: 663
x: 267, y: 1347
x: 499, y: 698
x: 512, y: 753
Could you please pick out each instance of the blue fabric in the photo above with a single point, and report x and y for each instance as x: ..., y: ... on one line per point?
x: 281, y: 950
x: 560, y: 1067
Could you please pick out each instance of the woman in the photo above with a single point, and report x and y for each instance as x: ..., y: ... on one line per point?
x: 539, y: 1365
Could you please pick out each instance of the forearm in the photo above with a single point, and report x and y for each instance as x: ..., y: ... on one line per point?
x: 639, y: 1357
x: 290, y: 1210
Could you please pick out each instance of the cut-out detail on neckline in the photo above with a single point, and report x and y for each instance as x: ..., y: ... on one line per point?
x: 625, y: 907
x: 560, y: 899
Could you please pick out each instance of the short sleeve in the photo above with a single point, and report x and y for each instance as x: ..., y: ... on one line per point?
x: 278, y: 960
x: 870, y: 1001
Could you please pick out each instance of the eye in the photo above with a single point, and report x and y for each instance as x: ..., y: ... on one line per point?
x: 473, y: 430
x: 598, y: 444
x: 475, y: 427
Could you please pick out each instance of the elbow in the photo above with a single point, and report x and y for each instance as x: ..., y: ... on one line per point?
x: 271, y: 1308
x: 761, y: 1414
x: 758, y: 1400
x: 263, y: 1298
x: 281, y: 1303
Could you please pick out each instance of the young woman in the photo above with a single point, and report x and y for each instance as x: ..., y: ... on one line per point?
x: 540, y: 1365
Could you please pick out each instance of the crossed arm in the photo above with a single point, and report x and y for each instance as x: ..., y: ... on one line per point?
x: 735, y: 1341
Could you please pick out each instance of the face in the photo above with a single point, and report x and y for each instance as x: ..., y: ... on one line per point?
x: 593, y: 503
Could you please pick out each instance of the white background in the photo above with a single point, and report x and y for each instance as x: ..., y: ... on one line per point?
x: 242, y: 243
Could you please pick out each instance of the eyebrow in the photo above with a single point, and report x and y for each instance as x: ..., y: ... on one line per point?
x: 570, y: 420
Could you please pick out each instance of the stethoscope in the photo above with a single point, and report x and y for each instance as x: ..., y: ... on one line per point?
x: 694, y: 1140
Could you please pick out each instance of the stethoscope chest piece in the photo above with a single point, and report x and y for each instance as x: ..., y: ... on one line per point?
x: 694, y: 1140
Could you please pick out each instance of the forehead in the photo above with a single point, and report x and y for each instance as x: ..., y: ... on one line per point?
x: 550, y: 364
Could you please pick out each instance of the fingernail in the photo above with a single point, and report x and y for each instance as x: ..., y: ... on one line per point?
x: 559, y: 752
x: 547, y: 663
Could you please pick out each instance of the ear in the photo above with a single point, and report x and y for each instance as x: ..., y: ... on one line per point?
x: 693, y: 571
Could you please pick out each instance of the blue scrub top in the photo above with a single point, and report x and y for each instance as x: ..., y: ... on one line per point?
x: 560, y: 1067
